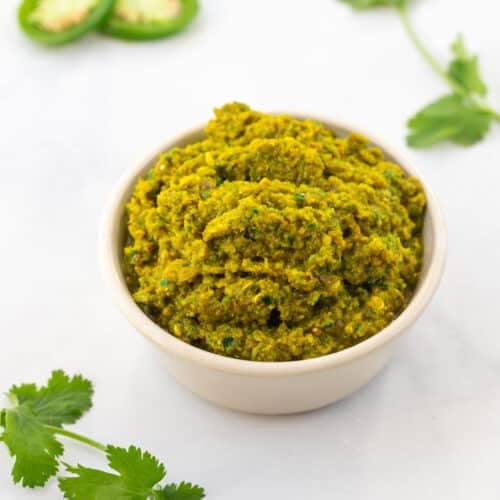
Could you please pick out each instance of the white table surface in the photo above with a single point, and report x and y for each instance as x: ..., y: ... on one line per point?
x: 72, y: 120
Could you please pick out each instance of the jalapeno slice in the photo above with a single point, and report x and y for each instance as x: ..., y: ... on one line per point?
x: 55, y: 22
x: 149, y: 19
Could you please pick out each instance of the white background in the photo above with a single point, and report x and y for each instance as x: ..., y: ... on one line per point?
x: 72, y: 120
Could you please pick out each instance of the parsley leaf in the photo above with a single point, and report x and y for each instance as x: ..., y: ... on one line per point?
x: 464, y: 69
x: 62, y: 401
x: 34, y: 447
x: 138, y: 473
x: 183, y: 491
x: 451, y: 118
x: 36, y: 450
x: 369, y: 4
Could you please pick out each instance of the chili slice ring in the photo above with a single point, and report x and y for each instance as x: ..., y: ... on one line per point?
x: 54, y: 23
x: 149, y: 19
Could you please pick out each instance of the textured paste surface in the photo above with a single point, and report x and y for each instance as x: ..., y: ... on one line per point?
x: 273, y: 239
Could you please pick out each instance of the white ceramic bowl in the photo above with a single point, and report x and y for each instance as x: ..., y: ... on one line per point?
x: 267, y: 387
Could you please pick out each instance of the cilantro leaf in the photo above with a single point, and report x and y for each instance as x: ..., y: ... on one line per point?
x: 182, y: 491
x: 138, y: 473
x: 450, y: 118
x: 464, y: 69
x: 34, y: 447
x: 36, y: 450
x: 30, y: 428
x: 369, y: 4
x: 62, y: 401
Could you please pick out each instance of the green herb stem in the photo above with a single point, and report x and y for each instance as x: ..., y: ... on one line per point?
x: 76, y: 437
x: 433, y: 63
x: 403, y: 13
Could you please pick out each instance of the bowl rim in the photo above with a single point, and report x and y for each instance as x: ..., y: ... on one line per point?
x: 111, y: 270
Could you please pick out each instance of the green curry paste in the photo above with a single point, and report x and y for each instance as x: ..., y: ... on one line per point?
x: 273, y: 239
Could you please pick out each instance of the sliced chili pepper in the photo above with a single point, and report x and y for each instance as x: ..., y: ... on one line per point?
x: 149, y: 19
x: 55, y: 22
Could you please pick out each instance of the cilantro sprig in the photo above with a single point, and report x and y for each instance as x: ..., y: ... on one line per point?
x: 33, y: 426
x: 462, y: 116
